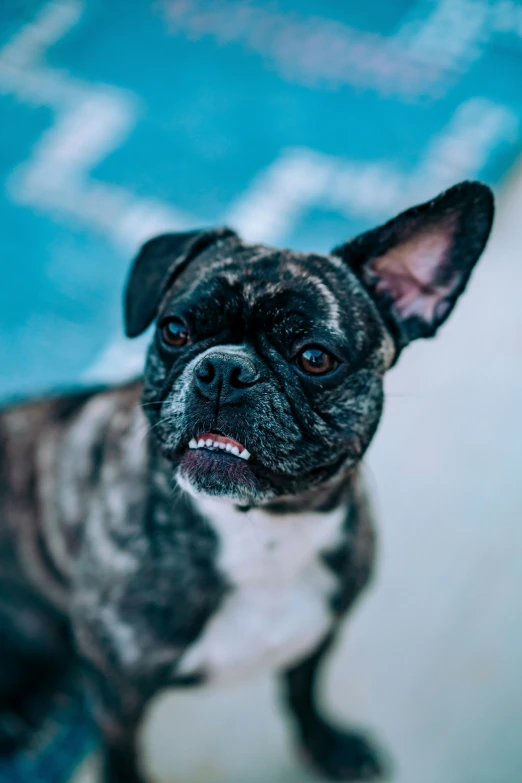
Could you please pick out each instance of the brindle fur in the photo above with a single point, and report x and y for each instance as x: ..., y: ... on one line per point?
x: 106, y: 561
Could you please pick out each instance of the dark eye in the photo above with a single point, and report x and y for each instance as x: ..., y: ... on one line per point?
x: 174, y: 333
x: 316, y: 360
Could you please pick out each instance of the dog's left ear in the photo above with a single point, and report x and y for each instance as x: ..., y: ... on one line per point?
x: 159, y: 261
x: 416, y: 266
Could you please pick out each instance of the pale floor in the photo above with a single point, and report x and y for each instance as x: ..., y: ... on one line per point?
x: 431, y: 660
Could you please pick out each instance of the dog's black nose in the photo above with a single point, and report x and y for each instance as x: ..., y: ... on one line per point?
x: 225, y: 375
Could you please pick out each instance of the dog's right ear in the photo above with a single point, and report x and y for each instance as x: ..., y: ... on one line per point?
x: 159, y: 261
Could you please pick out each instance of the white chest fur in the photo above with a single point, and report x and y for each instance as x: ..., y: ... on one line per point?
x: 278, y: 607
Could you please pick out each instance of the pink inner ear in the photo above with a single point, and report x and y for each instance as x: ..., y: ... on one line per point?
x: 408, y: 270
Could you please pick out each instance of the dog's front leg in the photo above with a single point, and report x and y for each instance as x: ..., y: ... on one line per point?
x: 336, y: 753
x: 117, y: 709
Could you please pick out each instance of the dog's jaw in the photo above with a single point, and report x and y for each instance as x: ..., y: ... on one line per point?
x: 204, y: 473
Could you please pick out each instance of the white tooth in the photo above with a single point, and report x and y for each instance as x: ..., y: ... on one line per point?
x: 208, y: 442
x: 215, y: 444
x: 245, y: 454
x: 228, y: 447
x: 235, y: 450
x: 222, y: 445
x: 193, y: 444
x: 201, y: 443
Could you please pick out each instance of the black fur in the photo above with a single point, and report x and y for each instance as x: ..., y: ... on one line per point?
x: 160, y: 260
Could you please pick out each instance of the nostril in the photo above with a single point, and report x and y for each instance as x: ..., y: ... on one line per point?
x: 240, y: 377
x: 234, y: 379
x: 208, y: 376
x: 206, y: 371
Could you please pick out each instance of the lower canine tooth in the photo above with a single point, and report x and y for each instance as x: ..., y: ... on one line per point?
x: 193, y: 444
x: 245, y: 454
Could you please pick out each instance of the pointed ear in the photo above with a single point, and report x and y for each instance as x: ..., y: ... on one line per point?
x: 416, y: 266
x: 159, y: 261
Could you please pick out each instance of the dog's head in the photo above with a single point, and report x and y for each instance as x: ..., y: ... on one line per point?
x: 265, y: 375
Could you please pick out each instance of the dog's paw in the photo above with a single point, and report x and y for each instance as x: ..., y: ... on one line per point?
x: 342, y: 755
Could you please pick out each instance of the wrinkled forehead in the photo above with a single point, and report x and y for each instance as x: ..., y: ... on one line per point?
x: 272, y: 285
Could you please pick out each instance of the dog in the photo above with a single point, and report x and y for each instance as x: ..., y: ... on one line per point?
x: 210, y: 520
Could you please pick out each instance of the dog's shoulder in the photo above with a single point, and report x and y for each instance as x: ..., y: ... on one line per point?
x: 48, y: 449
x: 27, y: 426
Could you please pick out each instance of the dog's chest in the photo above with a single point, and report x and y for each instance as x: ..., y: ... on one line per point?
x: 278, y: 607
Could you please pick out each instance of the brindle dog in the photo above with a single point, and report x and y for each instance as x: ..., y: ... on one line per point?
x: 210, y: 520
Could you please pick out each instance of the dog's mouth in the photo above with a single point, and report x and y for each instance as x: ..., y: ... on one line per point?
x: 217, y: 442
x: 213, y: 463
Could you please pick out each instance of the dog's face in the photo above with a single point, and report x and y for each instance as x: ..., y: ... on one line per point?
x: 282, y: 352
x: 265, y: 375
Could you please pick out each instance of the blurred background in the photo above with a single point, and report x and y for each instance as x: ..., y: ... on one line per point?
x: 297, y: 123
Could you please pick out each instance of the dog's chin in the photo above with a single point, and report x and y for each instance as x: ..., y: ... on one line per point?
x: 217, y: 474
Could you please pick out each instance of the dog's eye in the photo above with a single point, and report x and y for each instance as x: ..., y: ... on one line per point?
x: 316, y: 360
x: 174, y: 333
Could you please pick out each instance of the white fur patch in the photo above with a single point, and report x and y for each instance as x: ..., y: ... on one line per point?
x: 278, y: 607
